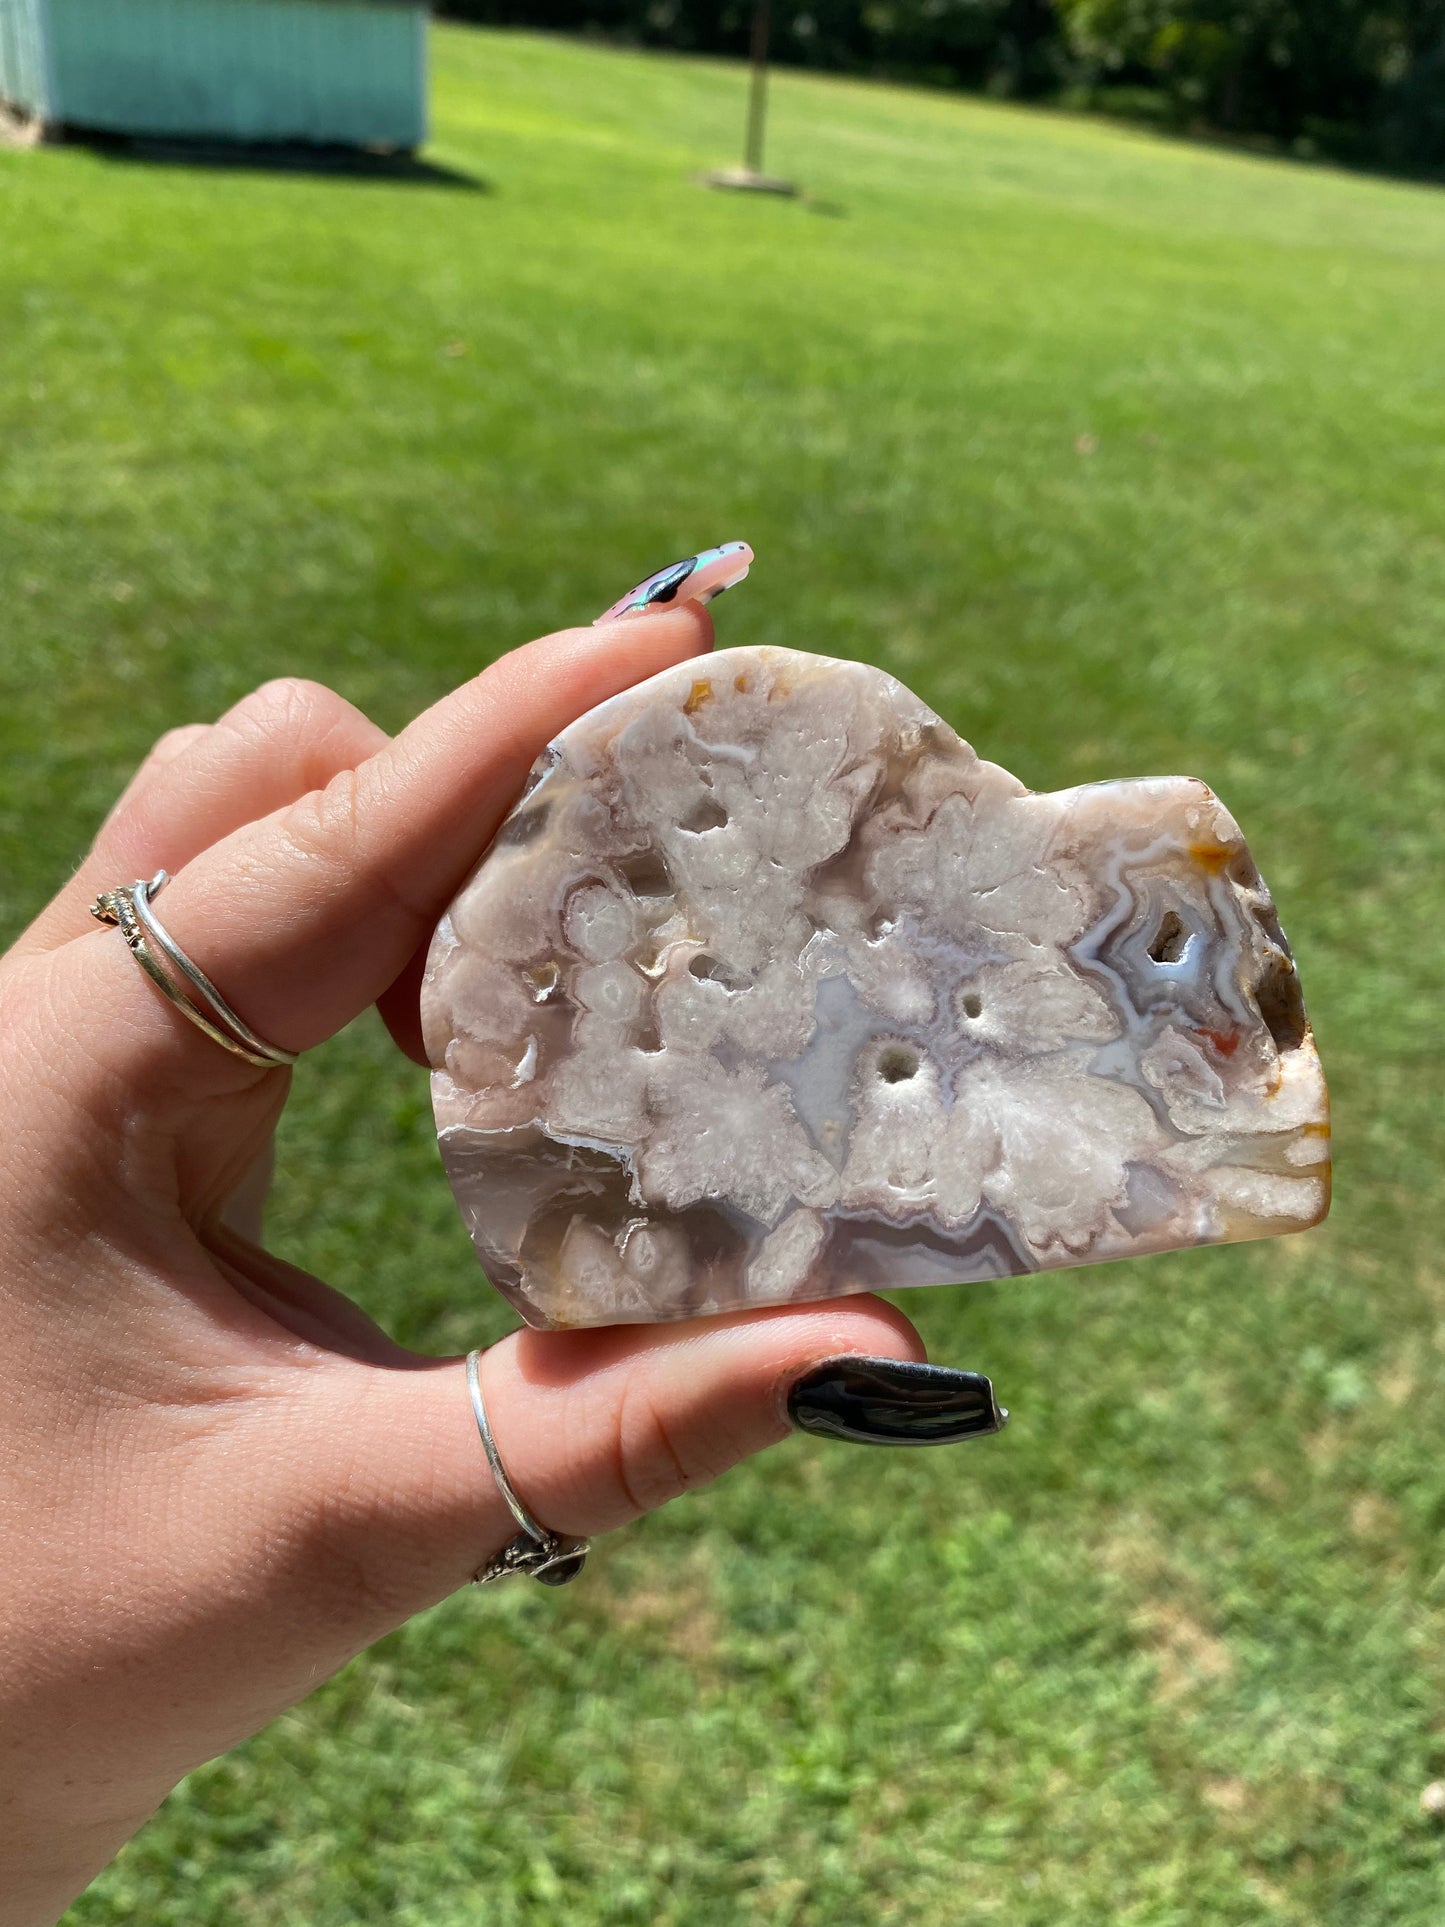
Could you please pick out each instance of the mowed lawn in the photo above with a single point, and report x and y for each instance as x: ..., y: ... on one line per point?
x: 1130, y: 458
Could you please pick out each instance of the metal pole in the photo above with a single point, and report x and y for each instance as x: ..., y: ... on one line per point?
x: 758, y: 94
x: 750, y: 176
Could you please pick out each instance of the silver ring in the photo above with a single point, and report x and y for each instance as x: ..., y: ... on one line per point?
x: 545, y: 1555
x: 129, y: 907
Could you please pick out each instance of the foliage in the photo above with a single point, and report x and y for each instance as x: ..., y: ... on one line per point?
x: 1129, y: 457
x: 1006, y: 46
x: 1358, y: 79
x: 1334, y: 73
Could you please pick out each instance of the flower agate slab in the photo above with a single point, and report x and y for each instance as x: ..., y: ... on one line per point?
x: 770, y: 989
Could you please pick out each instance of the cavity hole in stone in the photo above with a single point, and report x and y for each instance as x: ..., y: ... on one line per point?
x: 897, y: 1063
x: 1264, y: 915
x: 972, y: 1004
x: 881, y: 926
x: 646, y: 874
x: 1280, y: 1004
x: 648, y: 1038
x: 706, y: 814
x: 708, y: 970
x: 544, y: 979
x: 1170, y: 939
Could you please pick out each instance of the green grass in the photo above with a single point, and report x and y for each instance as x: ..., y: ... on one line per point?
x: 1130, y: 458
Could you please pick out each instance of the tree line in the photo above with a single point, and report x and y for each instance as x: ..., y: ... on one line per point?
x: 1355, y: 80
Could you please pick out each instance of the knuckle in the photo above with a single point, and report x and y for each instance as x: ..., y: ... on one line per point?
x: 327, y: 821
x: 287, y: 707
x: 303, y: 730
x: 174, y: 743
x: 654, y: 1461
x: 334, y: 823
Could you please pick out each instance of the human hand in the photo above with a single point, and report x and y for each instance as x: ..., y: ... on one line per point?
x: 222, y: 1480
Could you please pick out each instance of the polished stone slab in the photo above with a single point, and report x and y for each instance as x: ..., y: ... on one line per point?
x: 771, y: 989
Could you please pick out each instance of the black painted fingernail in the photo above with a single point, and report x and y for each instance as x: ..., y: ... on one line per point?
x: 887, y: 1401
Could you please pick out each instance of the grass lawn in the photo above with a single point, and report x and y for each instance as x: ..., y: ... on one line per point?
x: 1130, y: 458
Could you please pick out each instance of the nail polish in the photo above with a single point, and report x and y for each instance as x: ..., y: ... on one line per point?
x: 888, y: 1401
x: 698, y: 578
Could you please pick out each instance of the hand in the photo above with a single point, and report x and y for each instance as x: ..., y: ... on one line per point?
x: 221, y: 1481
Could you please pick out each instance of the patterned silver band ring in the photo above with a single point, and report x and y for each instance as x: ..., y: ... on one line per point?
x: 545, y: 1555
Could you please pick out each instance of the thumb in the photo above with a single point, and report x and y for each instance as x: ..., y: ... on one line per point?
x: 594, y: 1428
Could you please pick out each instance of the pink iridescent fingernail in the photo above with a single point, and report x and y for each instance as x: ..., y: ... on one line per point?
x: 699, y: 578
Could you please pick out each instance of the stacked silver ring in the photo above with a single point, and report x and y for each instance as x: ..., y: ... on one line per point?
x: 175, y: 976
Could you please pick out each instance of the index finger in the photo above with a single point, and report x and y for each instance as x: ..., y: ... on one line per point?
x: 304, y: 918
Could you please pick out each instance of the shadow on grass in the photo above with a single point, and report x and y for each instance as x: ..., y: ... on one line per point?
x: 276, y: 157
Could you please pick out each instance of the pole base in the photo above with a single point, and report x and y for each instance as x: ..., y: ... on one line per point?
x: 745, y: 181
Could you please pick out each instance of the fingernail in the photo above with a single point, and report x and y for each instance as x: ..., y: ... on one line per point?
x: 887, y: 1401
x: 697, y: 578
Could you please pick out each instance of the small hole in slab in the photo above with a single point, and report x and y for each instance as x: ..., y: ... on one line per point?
x: 971, y: 1004
x: 646, y: 874
x: 708, y: 970
x: 646, y: 1037
x: 1281, y: 1006
x: 704, y: 815
x: 545, y: 979
x: 897, y: 1064
x: 1170, y: 939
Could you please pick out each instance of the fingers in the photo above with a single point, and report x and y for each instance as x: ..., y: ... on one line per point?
x: 202, y: 781
x: 305, y: 917
x: 594, y: 1429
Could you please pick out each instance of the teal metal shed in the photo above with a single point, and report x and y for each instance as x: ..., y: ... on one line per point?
x: 334, y: 72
